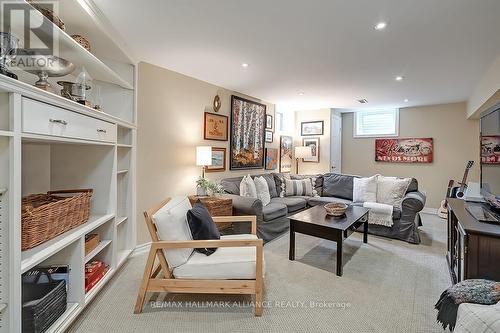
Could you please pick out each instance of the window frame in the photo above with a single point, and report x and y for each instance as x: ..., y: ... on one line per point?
x: 392, y: 135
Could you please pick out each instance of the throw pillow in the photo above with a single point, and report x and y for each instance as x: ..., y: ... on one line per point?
x: 262, y: 190
x: 172, y: 225
x: 337, y: 185
x: 392, y: 190
x: 280, y: 180
x: 247, y: 187
x: 478, y: 318
x: 202, y: 226
x: 365, y: 189
x: 302, y: 187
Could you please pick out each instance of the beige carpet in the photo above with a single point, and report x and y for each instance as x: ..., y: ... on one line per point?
x: 388, y: 286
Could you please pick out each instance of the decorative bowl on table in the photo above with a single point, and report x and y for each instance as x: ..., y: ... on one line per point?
x: 336, y: 209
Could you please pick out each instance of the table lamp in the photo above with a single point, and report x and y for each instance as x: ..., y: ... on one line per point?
x: 302, y: 152
x: 203, y: 158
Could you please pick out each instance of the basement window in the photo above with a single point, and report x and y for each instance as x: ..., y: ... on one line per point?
x: 376, y: 123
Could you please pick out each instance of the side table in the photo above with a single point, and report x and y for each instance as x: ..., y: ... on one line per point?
x: 216, y: 206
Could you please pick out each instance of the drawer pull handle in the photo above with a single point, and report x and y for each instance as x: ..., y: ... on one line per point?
x: 101, y: 130
x: 58, y: 121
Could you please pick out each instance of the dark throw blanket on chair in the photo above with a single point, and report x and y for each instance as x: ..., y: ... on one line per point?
x: 469, y: 291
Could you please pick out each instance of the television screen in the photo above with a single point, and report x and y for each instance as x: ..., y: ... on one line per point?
x: 490, y: 156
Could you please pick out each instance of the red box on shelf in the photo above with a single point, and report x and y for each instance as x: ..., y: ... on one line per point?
x: 94, y: 272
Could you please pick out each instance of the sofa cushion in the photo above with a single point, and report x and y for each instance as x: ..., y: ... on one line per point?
x: 315, y: 201
x: 413, y: 187
x: 337, y: 185
x: 231, y: 185
x: 226, y: 263
x: 365, y: 189
x: 262, y: 190
x: 172, y: 225
x: 318, y: 184
x: 391, y: 190
x: 274, y: 210
x: 293, y: 204
x: 478, y: 318
x: 247, y: 187
x: 270, y: 182
x: 299, y: 187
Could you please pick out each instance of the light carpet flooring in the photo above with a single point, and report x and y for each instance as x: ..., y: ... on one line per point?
x: 387, y: 286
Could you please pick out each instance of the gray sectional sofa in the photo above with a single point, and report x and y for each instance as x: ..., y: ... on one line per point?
x: 272, y: 219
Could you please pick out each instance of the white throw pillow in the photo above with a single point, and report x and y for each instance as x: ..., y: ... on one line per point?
x: 392, y: 190
x: 365, y: 189
x: 247, y: 187
x: 172, y: 225
x: 262, y: 190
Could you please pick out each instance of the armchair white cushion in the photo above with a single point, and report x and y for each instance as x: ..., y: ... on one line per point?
x: 172, y: 225
x: 225, y: 264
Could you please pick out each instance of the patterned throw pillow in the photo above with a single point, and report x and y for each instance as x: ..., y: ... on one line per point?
x: 302, y: 187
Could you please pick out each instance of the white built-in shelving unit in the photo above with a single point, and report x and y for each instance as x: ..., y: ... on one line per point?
x: 93, y: 149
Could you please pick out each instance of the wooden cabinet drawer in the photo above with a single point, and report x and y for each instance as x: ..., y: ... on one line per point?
x: 41, y: 118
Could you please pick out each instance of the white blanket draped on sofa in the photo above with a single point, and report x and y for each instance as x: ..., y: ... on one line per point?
x: 380, y: 214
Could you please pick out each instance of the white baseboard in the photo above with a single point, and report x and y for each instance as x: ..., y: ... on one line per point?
x: 429, y: 210
x: 140, y: 249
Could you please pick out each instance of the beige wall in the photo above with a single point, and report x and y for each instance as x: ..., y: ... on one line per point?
x: 456, y: 140
x: 324, y: 159
x: 487, y: 92
x: 170, y: 126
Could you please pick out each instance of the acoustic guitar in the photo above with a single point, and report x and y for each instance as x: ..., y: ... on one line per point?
x: 454, y: 192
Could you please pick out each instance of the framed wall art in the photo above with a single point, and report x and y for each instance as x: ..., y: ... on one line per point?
x: 269, y: 122
x: 271, y: 159
x: 269, y: 136
x: 490, y: 149
x: 216, y: 127
x: 218, y: 160
x: 312, y: 128
x: 286, y: 148
x: 248, y: 122
x: 314, y: 144
x: 413, y: 150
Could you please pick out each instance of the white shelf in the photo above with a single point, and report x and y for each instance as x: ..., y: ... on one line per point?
x: 121, y: 219
x: 6, y: 133
x: 121, y: 172
x: 101, y: 246
x: 122, y: 145
x: 70, y: 50
x: 34, y: 256
x: 102, y: 282
x: 71, y: 310
x: 28, y: 137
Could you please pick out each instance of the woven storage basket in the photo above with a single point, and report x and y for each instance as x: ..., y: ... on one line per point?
x: 45, y: 216
x: 43, y: 303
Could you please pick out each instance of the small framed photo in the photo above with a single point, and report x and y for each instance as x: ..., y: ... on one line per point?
x: 218, y: 160
x: 269, y: 136
x: 216, y: 127
x: 312, y: 128
x: 269, y: 122
x: 314, y: 144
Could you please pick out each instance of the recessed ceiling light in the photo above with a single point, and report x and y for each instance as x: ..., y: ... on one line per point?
x: 301, y: 93
x: 380, y: 26
x: 406, y: 100
x: 363, y: 101
x: 244, y: 65
x: 399, y: 78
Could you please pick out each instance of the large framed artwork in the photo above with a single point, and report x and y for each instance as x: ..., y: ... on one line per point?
x: 413, y: 150
x: 271, y: 159
x: 215, y: 127
x: 311, y: 128
x: 218, y: 160
x: 490, y: 149
x: 314, y: 144
x: 248, y: 122
x: 286, y: 147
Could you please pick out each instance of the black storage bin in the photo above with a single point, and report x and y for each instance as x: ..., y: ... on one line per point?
x: 43, y: 304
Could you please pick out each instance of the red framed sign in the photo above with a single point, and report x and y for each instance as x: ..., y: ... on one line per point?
x: 490, y: 149
x: 412, y: 150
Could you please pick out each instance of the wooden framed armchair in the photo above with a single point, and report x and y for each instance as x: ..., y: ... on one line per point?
x: 235, y: 268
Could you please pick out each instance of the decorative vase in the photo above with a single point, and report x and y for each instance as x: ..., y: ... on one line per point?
x: 201, y: 191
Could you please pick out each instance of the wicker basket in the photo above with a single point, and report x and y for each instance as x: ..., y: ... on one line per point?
x: 336, y: 208
x: 43, y: 304
x: 45, y: 216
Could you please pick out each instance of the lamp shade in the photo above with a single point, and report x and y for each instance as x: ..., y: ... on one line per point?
x: 203, y: 155
x: 303, y: 152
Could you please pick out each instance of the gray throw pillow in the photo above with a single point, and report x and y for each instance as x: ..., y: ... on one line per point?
x: 337, y: 185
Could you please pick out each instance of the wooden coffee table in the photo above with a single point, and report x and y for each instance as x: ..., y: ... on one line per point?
x: 315, y: 222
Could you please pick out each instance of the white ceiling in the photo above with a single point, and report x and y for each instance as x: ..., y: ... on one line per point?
x: 327, y: 49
